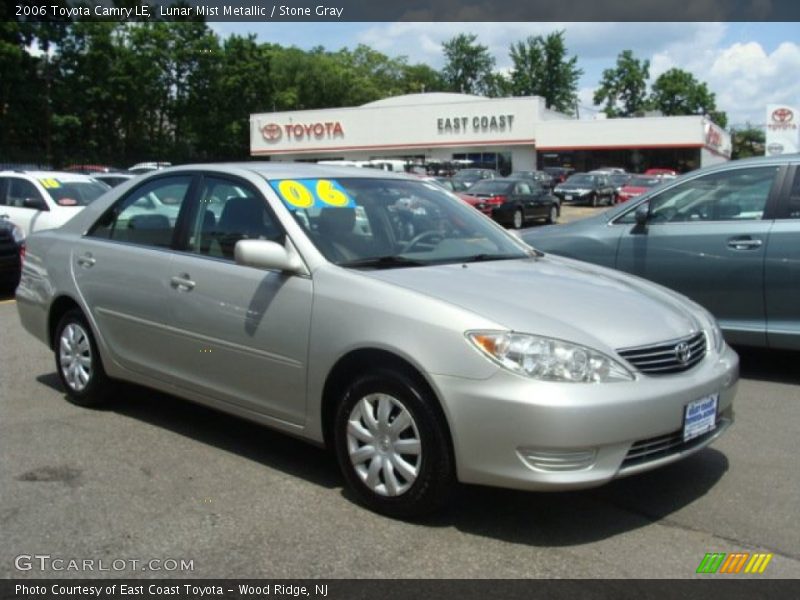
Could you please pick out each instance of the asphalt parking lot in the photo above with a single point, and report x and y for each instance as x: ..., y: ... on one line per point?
x: 154, y: 477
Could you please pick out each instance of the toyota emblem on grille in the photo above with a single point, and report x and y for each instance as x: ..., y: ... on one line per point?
x: 683, y: 353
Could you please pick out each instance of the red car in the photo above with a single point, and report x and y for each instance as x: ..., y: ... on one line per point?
x: 480, y: 204
x: 662, y: 172
x: 638, y: 185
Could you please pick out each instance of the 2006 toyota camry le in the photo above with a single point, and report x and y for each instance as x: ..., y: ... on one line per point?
x: 381, y: 316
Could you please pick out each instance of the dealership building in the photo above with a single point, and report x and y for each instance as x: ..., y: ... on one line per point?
x: 504, y: 133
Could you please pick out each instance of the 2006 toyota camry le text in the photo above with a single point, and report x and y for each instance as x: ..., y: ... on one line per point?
x: 381, y: 316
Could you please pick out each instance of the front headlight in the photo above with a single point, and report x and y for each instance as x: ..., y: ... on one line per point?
x: 547, y: 359
x: 715, y: 333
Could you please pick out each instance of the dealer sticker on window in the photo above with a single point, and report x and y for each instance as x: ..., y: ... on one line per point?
x: 700, y: 416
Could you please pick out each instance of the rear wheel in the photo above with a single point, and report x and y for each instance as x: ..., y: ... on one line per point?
x: 78, y: 362
x: 392, y: 445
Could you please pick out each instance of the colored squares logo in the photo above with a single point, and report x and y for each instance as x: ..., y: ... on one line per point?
x: 734, y: 563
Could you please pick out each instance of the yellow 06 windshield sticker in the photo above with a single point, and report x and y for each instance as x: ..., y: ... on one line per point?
x: 50, y: 183
x: 308, y: 193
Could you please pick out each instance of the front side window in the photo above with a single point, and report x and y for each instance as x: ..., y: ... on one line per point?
x: 792, y: 210
x: 382, y: 223
x: 147, y: 215
x: 230, y: 211
x: 734, y: 195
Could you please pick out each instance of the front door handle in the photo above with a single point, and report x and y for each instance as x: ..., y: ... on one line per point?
x: 182, y: 283
x: 87, y: 261
x: 744, y: 243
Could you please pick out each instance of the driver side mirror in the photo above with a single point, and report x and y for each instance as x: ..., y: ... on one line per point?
x: 265, y: 254
x: 641, y: 215
x: 35, y: 203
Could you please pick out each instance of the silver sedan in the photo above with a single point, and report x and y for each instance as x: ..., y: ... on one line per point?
x: 384, y: 318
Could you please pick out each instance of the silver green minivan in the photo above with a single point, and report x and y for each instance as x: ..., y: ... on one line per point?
x: 726, y: 236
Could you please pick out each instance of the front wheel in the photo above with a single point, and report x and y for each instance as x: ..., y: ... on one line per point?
x: 594, y: 200
x: 552, y: 215
x: 517, y: 219
x: 78, y: 362
x: 392, y: 445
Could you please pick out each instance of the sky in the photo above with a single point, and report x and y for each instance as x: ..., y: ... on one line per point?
x: 747, y: 65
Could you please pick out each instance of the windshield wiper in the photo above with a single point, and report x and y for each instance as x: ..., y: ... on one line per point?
x: 486, y: 257
x: 383, y: 262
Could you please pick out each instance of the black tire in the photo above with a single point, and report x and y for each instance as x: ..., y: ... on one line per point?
x: 594, y: 200
x: 96, y: 389
x: 552, y: 214
x: 517, y: 219
x: 435, y: 472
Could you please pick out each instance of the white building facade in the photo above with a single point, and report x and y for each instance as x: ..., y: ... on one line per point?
x: 502, y: 133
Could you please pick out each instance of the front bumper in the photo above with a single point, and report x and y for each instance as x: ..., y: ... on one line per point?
x: 509, y: 431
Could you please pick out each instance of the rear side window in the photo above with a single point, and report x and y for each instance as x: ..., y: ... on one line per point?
x: 147, y: 215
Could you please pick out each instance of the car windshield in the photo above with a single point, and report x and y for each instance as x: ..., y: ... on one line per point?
x: 580, y: 180
x: 468, y: 174
x: 644, y: 181
x: 385, y: 223
x: 619, y: 178
x: 489, y: 186
x: 76, y: 193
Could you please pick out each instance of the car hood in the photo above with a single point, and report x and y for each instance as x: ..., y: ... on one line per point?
x: 556, y: 297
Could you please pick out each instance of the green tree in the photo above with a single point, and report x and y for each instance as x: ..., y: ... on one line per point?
x: 469, y: 66
x: 421, y: 78
x: 747, y: 141
x: 677, y: 92
x: 623, y: 89
x: 21, y: 92
x: 541, y: 68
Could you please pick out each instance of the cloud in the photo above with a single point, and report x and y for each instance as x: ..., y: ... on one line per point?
x: 743, y: 75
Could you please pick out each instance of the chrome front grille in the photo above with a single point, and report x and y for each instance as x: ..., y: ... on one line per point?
x: 666, y: 358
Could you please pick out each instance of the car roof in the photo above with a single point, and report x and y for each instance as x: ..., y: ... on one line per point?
x: 291, y: 170
x: 62, y: 175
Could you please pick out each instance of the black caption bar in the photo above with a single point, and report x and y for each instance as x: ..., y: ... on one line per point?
x: 394, y: 589
x: 407, y: 10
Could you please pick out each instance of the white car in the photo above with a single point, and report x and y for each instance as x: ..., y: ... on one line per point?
x: 36, y: 200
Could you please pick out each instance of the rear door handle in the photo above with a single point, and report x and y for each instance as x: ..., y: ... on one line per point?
x: 182, y: 283
x: 86, y: 261
x: 744, y: 243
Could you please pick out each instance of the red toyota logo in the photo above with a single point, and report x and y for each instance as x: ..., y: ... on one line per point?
x: 782, y: 115
x: 272, y: 132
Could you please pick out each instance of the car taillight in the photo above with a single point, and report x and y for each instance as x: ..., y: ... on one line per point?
x: 496, y: 200
x: 22, y: 253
